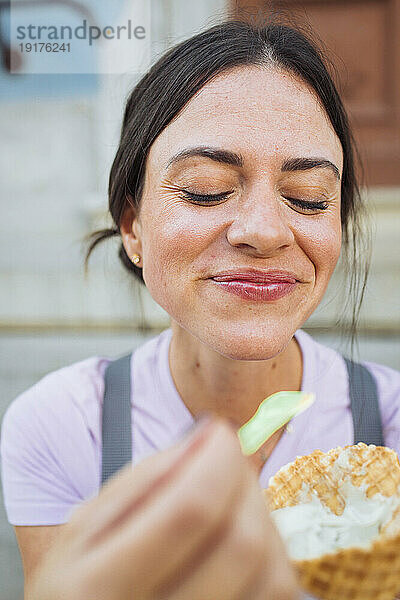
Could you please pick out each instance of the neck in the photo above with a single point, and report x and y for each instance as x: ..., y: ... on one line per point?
x: 211, y: 383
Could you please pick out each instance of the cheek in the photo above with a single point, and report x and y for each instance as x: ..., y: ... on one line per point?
x: 319, y: 237
x: 172, y: 240
x: 322, y: 241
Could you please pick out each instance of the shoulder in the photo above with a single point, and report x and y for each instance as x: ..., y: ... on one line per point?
x: 323, y: 367
x: 49, y: 444
x: 388, y: 384
x: 69, y: 399
x: 325, y: 364
x: 331, y: 377
x: 61, y: 394
x: 387, y: 379
x: 331, y: 362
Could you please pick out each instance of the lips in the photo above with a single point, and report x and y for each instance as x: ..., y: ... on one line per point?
x: 257, y: 286
x: 261, y: 277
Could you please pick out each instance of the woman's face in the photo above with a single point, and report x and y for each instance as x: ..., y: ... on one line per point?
x: 273, y: 163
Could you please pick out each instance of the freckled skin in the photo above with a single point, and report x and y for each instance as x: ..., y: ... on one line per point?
x: 267, y: 116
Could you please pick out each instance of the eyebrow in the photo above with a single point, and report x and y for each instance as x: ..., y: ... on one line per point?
x: 236, y: 160
x: 217, y: 154
x: 303, y: 164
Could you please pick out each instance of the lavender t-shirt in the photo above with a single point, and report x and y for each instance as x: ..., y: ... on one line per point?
x: 51, y: 434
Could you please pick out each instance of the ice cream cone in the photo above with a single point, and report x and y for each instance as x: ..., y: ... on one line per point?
x: 339, y: 480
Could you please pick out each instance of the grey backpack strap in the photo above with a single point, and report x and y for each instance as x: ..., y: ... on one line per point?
x: 116, y: 419
x: 363, y: 391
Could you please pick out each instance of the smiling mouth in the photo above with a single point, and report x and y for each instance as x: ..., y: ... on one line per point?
x: 256, y: 280
x: 256, y: 291
x: 273, y: 276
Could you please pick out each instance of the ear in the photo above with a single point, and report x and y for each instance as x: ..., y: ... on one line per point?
x: 131, y: 231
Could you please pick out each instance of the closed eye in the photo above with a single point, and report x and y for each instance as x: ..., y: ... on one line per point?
x: 308, y: 204
x: 205, y: 198
x: 210, y: 198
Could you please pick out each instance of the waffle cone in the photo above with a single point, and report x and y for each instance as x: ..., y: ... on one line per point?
x: 352, y: 573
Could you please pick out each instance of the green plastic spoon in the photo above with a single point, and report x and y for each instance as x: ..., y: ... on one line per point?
x: 273, y: 412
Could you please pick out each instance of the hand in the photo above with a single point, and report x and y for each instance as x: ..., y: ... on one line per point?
x: 186, y: 524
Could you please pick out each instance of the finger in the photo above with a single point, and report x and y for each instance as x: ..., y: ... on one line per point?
x: 157, y: 541
x: 130, y: 488
x: 279, y: 579
x: 234, y: 564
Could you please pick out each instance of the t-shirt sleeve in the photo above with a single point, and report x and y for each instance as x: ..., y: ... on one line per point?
x: 388, y: 383
x: 50, y: 448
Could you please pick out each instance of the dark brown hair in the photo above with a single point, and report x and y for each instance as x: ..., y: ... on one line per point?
x: 176, y: 77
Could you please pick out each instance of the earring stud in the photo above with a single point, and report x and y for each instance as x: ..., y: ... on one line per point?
x: 135, y: 259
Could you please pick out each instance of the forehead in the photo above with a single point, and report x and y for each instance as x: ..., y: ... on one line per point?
x: 262, y: 112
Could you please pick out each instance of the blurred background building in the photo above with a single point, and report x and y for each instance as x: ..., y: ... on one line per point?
x: 58, y: 135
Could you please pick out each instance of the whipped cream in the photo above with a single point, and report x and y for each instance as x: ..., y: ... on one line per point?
x: 310, y: 529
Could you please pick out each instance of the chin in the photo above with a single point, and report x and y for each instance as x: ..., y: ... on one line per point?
x: 239, y: 343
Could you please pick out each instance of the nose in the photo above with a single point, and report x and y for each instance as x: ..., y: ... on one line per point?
x: 260, y: 226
